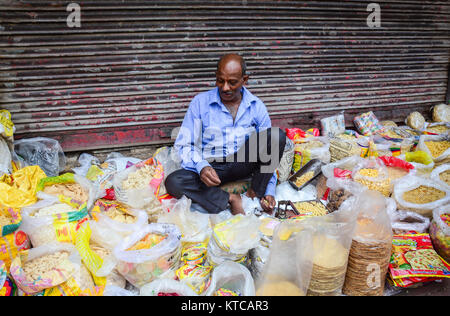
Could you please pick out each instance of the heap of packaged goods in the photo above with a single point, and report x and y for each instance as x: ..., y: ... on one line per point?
x: 110, y: 228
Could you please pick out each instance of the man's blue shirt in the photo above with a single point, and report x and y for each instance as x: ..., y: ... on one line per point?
x: 208, y: 130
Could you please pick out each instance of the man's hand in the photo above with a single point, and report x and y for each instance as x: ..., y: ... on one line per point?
x: 209, y: 177
x: 268, y: 203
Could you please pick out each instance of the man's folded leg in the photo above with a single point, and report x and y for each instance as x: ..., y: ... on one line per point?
x: 188, y: 183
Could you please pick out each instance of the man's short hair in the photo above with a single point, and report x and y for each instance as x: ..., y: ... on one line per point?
x: 241, y: 60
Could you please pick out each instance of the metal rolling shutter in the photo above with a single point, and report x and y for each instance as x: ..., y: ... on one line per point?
x: 127, y: 75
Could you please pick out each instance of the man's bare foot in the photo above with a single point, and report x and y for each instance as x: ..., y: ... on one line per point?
x: 250, y: 193
x: 236, y: 204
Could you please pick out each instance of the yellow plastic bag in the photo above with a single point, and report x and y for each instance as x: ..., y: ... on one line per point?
x: 6, y: 124
x: 419, y: 157
x: 19, y: 189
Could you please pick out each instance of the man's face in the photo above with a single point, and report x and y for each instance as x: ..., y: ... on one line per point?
x: 229, y: 80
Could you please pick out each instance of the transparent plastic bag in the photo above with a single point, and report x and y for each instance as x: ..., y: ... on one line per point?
x: 311, y: 148
x: 373, y: 174
x: 111, y: 290
x: 440, y: 231
x: 162, y: 287
x: 333, y: 125
x: 439, y: 144
x: 371, y: 248
x: 288, y: 268
x: 440, y: 175
x: 5, y: 158
x: 140, y: 197
x: 232, y: 239
x: 422, y: 204
x: 233, y: 277
x: 404, y: 221
x: 416, y: 121
x: 169, y: 159
x: 143, y: 266
x: 50, y: 228
x: 194, y: 226
x: 58, y: 276
x: 422, y: 162
x: 86, y: 161
x: 441, y: 113
x: 44, y: 152
x: 284, y: 169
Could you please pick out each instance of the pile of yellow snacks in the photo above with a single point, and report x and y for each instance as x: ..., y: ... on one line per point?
x: 383, y: 186
x: 423, y: 195
x: 304, y: 178
x: 437, y: 148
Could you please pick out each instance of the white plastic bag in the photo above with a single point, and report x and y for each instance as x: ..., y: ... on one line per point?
x: 435, y: 175
x: 143, y: 266
x: 433, y: 138
x: 194, y: 226
x: 44, y: 152
x: 169, y: 159
x: 5, y: 158
x: 85, y: 160
x: 167, y: 286
x: 333, y: 125
x: 284, y: 169
x: 405, y: 221
x: 420, y: 168
x: 231, y: 276
x: 287, y: 271
x: 111, y: 290
x: 412, y: 182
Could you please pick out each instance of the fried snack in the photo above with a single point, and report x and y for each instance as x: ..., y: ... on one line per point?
x: 329, y: 266
x: 71, y: 190
x: 423, y: 195
x: 445, y: 176
x: 279, y: 288
x: 304, y: 178
x: 311, y: 208
x: 438, y: 129
x: 140, y: 178
x: 40, y: 268
x: 383, y: 186
x: 437, y: 148
x: 53, y: 209
x: 150, y: 240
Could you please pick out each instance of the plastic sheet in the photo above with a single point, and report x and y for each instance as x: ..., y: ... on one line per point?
x: 233, y: 277
x: 44, y: 152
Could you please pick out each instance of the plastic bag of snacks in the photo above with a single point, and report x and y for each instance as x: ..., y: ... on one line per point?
x: 333, y: 125
x: 194, y: 226
x: 166, y: 287
x: 99, y: 261
x: 311, y: 148
x: 437, y: 129
x: 148, y: 253
x: 139, y: 185
x: 233, y: 238
x: 79, y: 284
x: 373, y: 174
x: 44, y: 267
x: 368, y: 124
x: 288, y: 268
x: 118, y: 218
x: 44, y: 152
x: 422, y: 162
x: 420, y: 195
x: 52, y: 221
x: 413, y: 258
x: 441, y: 113
x: 196, y: 277
x: 12, y: 244
x: 10, y: 220
x: 19, y: 189
x: 440, y: 231
x: 5, y: 158
x: 403, y: 222
x: 76, y: 188
x: 341, y: 148
x: 435, y: 145
x: 370, y: 250
x: 231, y: 279
x: 416, y: 121
x: 442, y: 174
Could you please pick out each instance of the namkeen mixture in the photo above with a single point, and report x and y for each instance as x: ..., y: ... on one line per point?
x: 140, y: 178
x: 445, y: 176
x: 437, y: 148
x: 423, y: 194
x: 40, y: 268
x: 71, y: 190
x: 304, y: 178
x: 382, y: 185
x: 311, y: 208
x: 150, y: 240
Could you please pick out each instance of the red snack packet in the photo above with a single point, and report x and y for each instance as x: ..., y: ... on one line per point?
x: 396, y: 162
x: 342, y: 174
